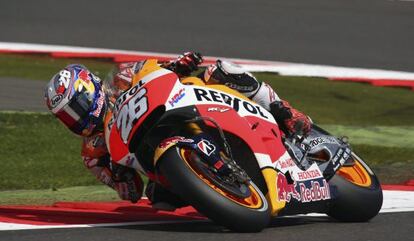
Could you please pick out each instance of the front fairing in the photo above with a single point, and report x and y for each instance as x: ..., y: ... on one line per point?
x: 134, y: 106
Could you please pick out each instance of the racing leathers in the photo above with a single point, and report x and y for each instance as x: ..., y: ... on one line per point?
x: 290, y: 120
x: 95, y: 153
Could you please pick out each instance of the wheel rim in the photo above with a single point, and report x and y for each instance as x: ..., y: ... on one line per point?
x: 254, y: 201
x: 357, y: 173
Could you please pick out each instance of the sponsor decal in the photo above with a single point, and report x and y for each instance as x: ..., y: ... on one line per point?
x: 310, y: 191
x: 309, y: 174
x: 100, y: 103
x: 84, y: 75
x: 87, y: 84
x: 217, y: 109
x: 173, y: 140
x: 206, y: 147
x: 177, y: 97
x: 234, y: 102
x: 56, y: 100
x: 283, y: 164
x: 341, y: 157
x: 286, y: 191
x: 321, y: 140
x: 316, y: 192
x: 240, y: 88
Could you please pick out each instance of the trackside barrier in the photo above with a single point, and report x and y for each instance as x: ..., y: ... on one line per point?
x: 375, y: 77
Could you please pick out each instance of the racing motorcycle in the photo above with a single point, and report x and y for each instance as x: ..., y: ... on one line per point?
x: 216, y: 150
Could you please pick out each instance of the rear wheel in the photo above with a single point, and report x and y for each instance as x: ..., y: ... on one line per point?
x: 239, y: 207
x: 359, y: 193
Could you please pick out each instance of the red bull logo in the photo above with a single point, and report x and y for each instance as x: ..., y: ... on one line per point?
x: 316, y: 191
x: 84, y: 75
x: 286, y: 191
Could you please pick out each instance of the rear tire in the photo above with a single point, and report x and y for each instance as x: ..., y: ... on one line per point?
x: 209, y: 199
x: 358, y: 199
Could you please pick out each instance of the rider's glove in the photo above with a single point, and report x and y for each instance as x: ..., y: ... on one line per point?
x: 290, y: 120
x: 127, y: 182
x: 124, y: 190
x: 185, y: 64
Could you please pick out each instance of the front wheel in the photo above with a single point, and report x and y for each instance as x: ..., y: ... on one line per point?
x: 359, y: 194
x: 243, y: 214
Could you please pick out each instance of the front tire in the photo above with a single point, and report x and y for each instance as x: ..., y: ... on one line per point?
x: 359, y: 195
x: 243, y: 215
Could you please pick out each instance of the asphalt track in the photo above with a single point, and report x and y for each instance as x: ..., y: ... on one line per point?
x: 15, y: 98
x: 384, y: 227
x: 369, y: 33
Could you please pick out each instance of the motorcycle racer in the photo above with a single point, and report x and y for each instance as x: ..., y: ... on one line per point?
x: 80, y: 100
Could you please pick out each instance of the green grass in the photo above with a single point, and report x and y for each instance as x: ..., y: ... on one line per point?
x: 344, y: 103
x: 42, y: 67
x: 50, y: 196
x: 37, y: 152
x: 391, y: 164
x: 381, y: 136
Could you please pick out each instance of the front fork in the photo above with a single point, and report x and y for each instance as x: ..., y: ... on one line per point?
x: 270, y: 176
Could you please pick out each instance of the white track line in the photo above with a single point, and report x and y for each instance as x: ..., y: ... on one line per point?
x: 283, y: 68
x: 394, y: 201
x: 17, y: 226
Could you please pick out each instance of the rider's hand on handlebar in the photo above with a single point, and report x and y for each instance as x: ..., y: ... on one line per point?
x: 291, y: 121
x: 298, y: 124
x: 186, y: 63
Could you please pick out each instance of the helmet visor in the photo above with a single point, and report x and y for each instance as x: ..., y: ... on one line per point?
x: 75, y: 113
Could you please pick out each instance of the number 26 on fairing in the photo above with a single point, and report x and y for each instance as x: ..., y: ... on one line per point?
x: 130, y: 112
